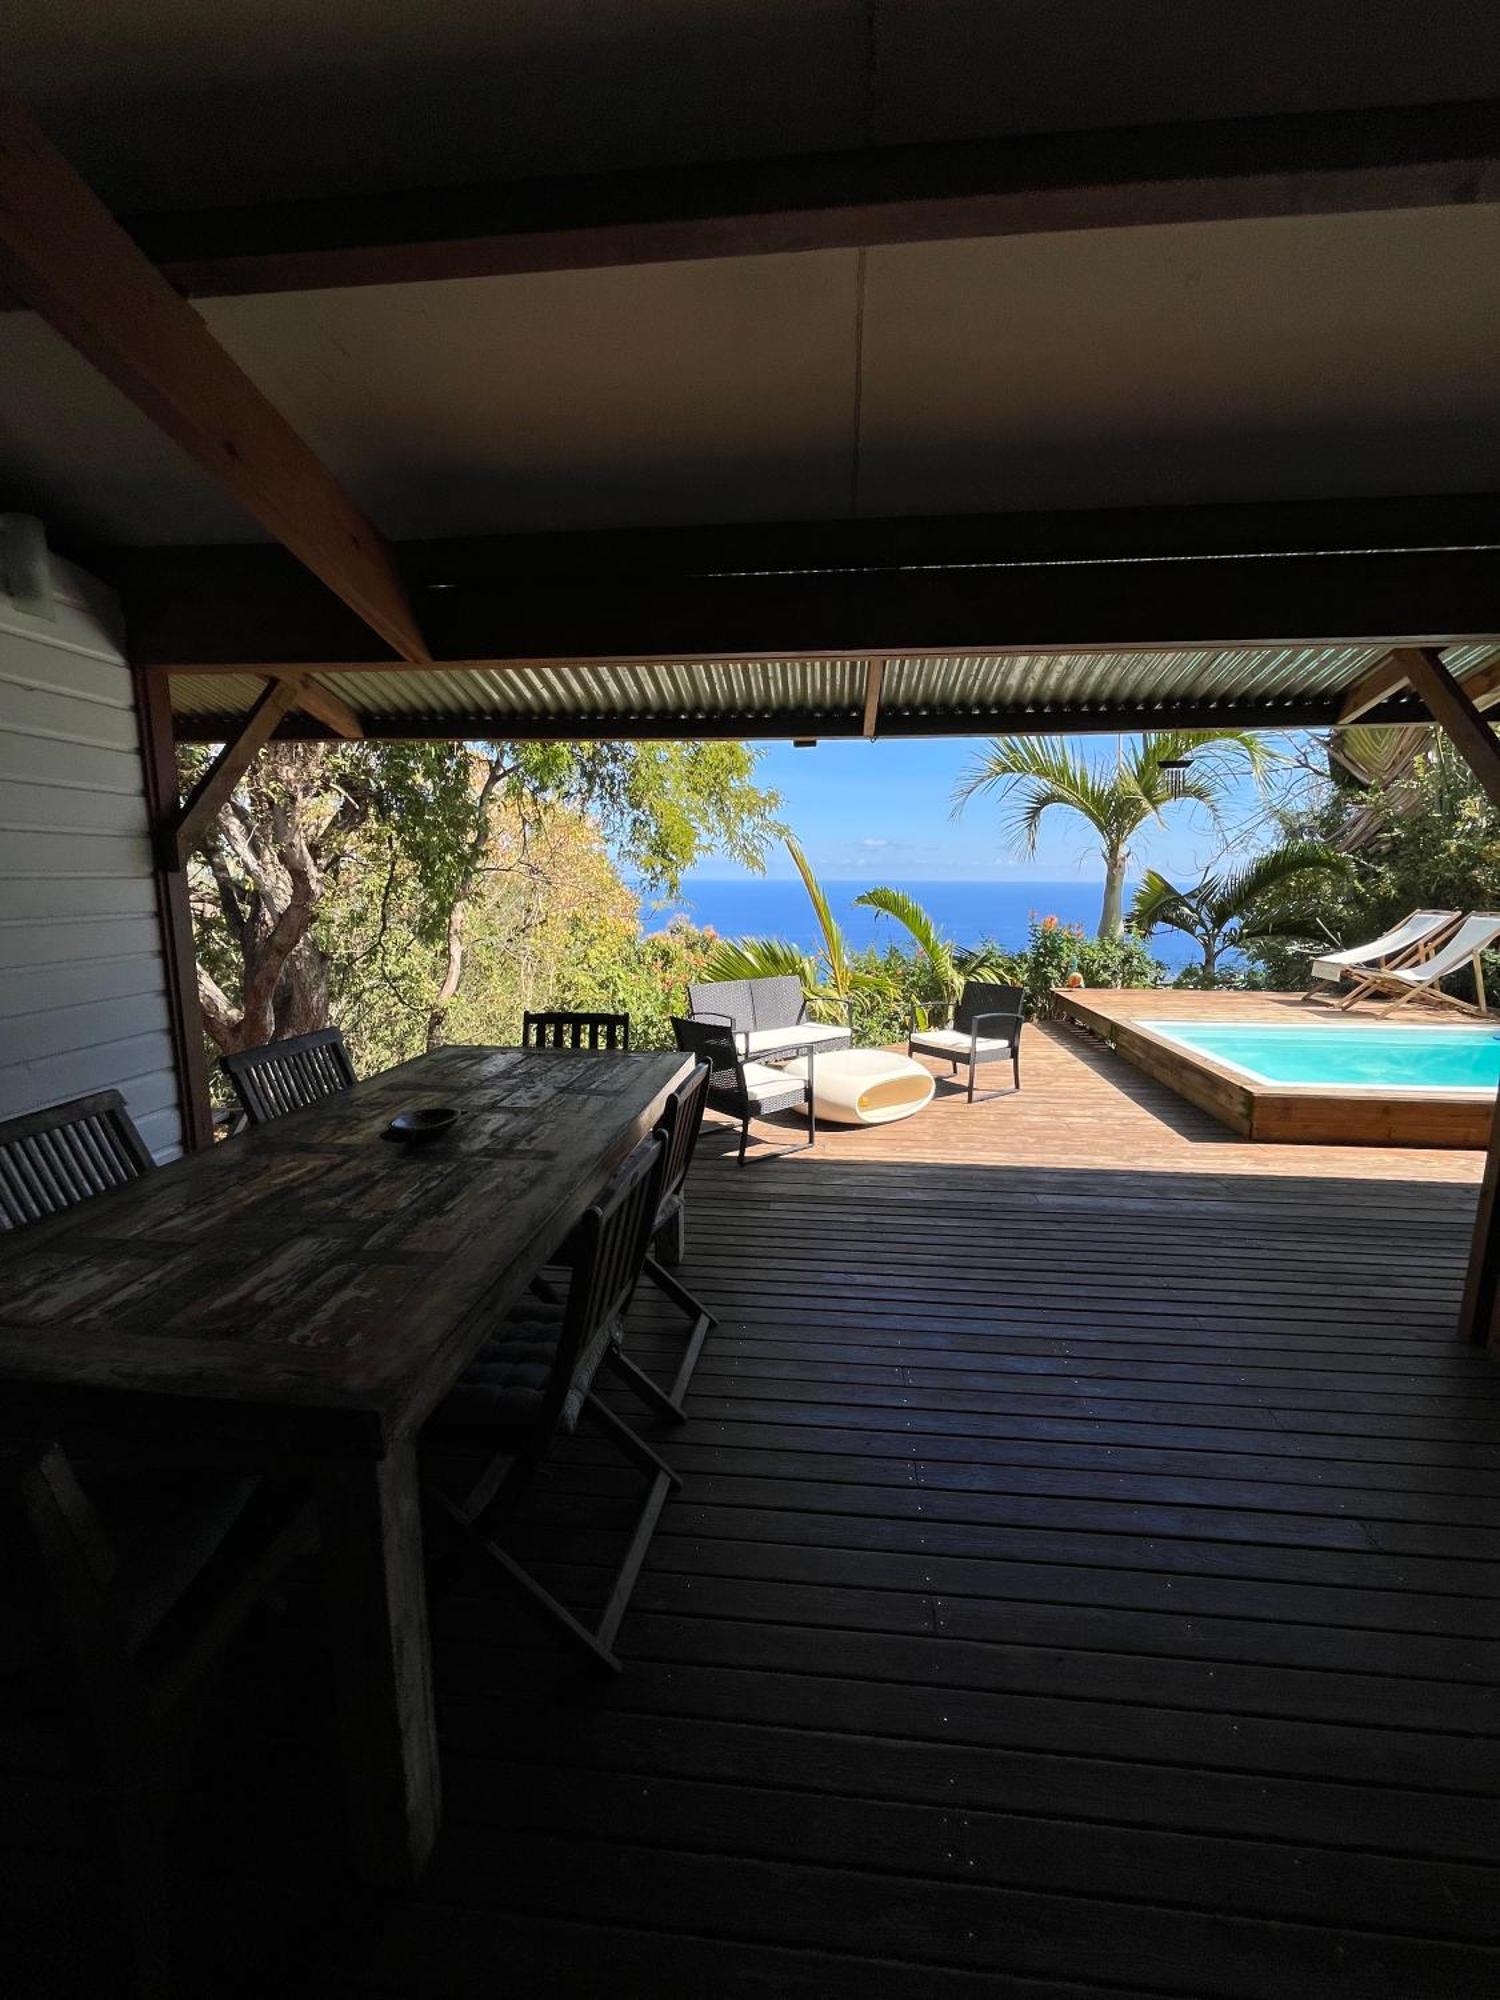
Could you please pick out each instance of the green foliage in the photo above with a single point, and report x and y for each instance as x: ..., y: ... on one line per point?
x: 487, y: 867
x: 832, y: 973
x: 1429, y: 840
x: 1263, y: 900
x: 1057, y: 949
x: 1035, y: 775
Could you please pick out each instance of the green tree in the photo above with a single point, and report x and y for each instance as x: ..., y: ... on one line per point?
x: 1241, y: 908
x: 1425, y: 838
x: 361, y: 867
x: 1035, y: 775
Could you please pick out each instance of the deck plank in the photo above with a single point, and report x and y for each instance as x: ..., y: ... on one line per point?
x: 1083, y: 1582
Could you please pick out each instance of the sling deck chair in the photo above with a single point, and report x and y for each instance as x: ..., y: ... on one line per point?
x: 1403, y: 983
x: 1416, y: 937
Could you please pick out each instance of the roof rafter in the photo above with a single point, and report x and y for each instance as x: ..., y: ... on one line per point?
x: 63, y: 252
x: 1288, y: 164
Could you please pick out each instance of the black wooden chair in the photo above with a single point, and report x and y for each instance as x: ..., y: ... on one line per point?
x: 562, y: 1030
x: 742, y: 1089
x: 987, y: 1024
x: 677, y: 1128
x: 122, y: 1585
x: 489, y: 1439
x: 283, y: 1076
x: 52, y: 1160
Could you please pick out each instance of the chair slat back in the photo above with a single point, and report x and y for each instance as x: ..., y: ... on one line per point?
x: 606, y: 1250
x: 713, y: 1044
x: 52, y: 1160
x: 560, y: 1029
x: 284, y: 1076
x: 980, y: 996
x: 678, y: 1128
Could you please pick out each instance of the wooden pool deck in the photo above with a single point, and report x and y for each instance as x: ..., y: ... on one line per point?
x: 1083, y: 1584
x: 1285, y: 1113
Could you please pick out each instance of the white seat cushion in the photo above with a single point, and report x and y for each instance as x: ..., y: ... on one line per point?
x: 761, y: 1077
x: 951, y: 1042
x: 816, y: 1032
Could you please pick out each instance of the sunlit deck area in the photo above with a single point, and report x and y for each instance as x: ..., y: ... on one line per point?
x: 1082, y: 1582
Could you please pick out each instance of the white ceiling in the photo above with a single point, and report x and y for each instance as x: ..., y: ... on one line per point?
x: 1307, y: 358
x: 1326, y: 356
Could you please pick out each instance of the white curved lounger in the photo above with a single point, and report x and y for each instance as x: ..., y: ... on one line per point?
x: 1421, y: 928
x: 866, y: 1086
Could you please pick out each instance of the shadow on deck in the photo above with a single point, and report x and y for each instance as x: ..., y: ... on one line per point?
x: 1083, y: 1582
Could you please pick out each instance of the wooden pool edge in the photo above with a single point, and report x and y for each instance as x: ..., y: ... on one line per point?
x: 1284, y: 1114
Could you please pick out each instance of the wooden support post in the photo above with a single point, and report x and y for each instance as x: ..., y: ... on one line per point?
x: 1479, y: 1316
x: 1452, y: 707
x: 217, y: 783
x: 63, y: 253
x: 874, y: 681
x: 174, y: 915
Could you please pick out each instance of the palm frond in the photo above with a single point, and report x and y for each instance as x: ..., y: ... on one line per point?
x: 1043, y: 772
x: 760, y: 958
x: 835, y: 949
x: 1236, y: 894
x: 919, y: 926
x: 1158, y: 901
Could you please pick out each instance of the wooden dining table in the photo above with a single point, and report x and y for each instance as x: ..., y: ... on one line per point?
x: 306, y: 1294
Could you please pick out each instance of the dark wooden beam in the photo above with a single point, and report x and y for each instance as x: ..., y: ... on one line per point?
x: 1389, y: 678
x: 1451, y: 708
x: 65, y: 255
x: 334, y: 713
x: 215, y: 788
x: 1372, y: 572
x: 174, y: 914
x: 1312, y: 163
x: 874, y: 682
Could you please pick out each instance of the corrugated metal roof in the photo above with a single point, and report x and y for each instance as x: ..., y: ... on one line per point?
x: 603, y: 697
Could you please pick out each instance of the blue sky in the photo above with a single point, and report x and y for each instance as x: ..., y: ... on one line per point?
x: 887, y: 805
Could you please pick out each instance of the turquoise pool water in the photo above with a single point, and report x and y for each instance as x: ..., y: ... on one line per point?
x: 1349, y: 1055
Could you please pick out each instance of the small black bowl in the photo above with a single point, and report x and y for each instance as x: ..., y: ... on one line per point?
x: 416, y: 1128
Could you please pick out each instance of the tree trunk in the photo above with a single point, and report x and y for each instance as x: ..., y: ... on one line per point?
x: 1112, y: 915
x: 437, y: 1021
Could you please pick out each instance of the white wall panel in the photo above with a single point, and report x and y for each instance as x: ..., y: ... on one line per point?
x: 82, y: 985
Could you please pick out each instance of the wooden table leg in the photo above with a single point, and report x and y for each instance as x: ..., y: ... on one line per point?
x: 377, y: 1605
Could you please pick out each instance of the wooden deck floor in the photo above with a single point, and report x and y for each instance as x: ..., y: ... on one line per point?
x: 1084, y: 1582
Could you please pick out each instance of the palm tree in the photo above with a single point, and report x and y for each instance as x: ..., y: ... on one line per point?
x: 1116, y: 799
x: 827, y: 974
x: 1223, y: 912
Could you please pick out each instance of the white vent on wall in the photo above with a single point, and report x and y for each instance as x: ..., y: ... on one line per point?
x: 25, y: 568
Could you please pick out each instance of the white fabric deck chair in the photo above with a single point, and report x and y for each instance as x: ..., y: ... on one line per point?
x: 1415, y: 937
x: 1474, y: 935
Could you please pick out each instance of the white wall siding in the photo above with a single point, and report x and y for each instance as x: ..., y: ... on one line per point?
x: 82, y: 984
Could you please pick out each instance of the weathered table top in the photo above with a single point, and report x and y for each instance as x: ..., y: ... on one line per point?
x: 310, y: 1280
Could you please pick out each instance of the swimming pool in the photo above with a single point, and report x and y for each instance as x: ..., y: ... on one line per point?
x: 1347, y: 1055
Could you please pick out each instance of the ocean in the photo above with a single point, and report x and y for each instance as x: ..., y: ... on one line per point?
x: 966, y: 911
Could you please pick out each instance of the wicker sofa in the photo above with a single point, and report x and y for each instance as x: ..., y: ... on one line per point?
x: 769, y: 1016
